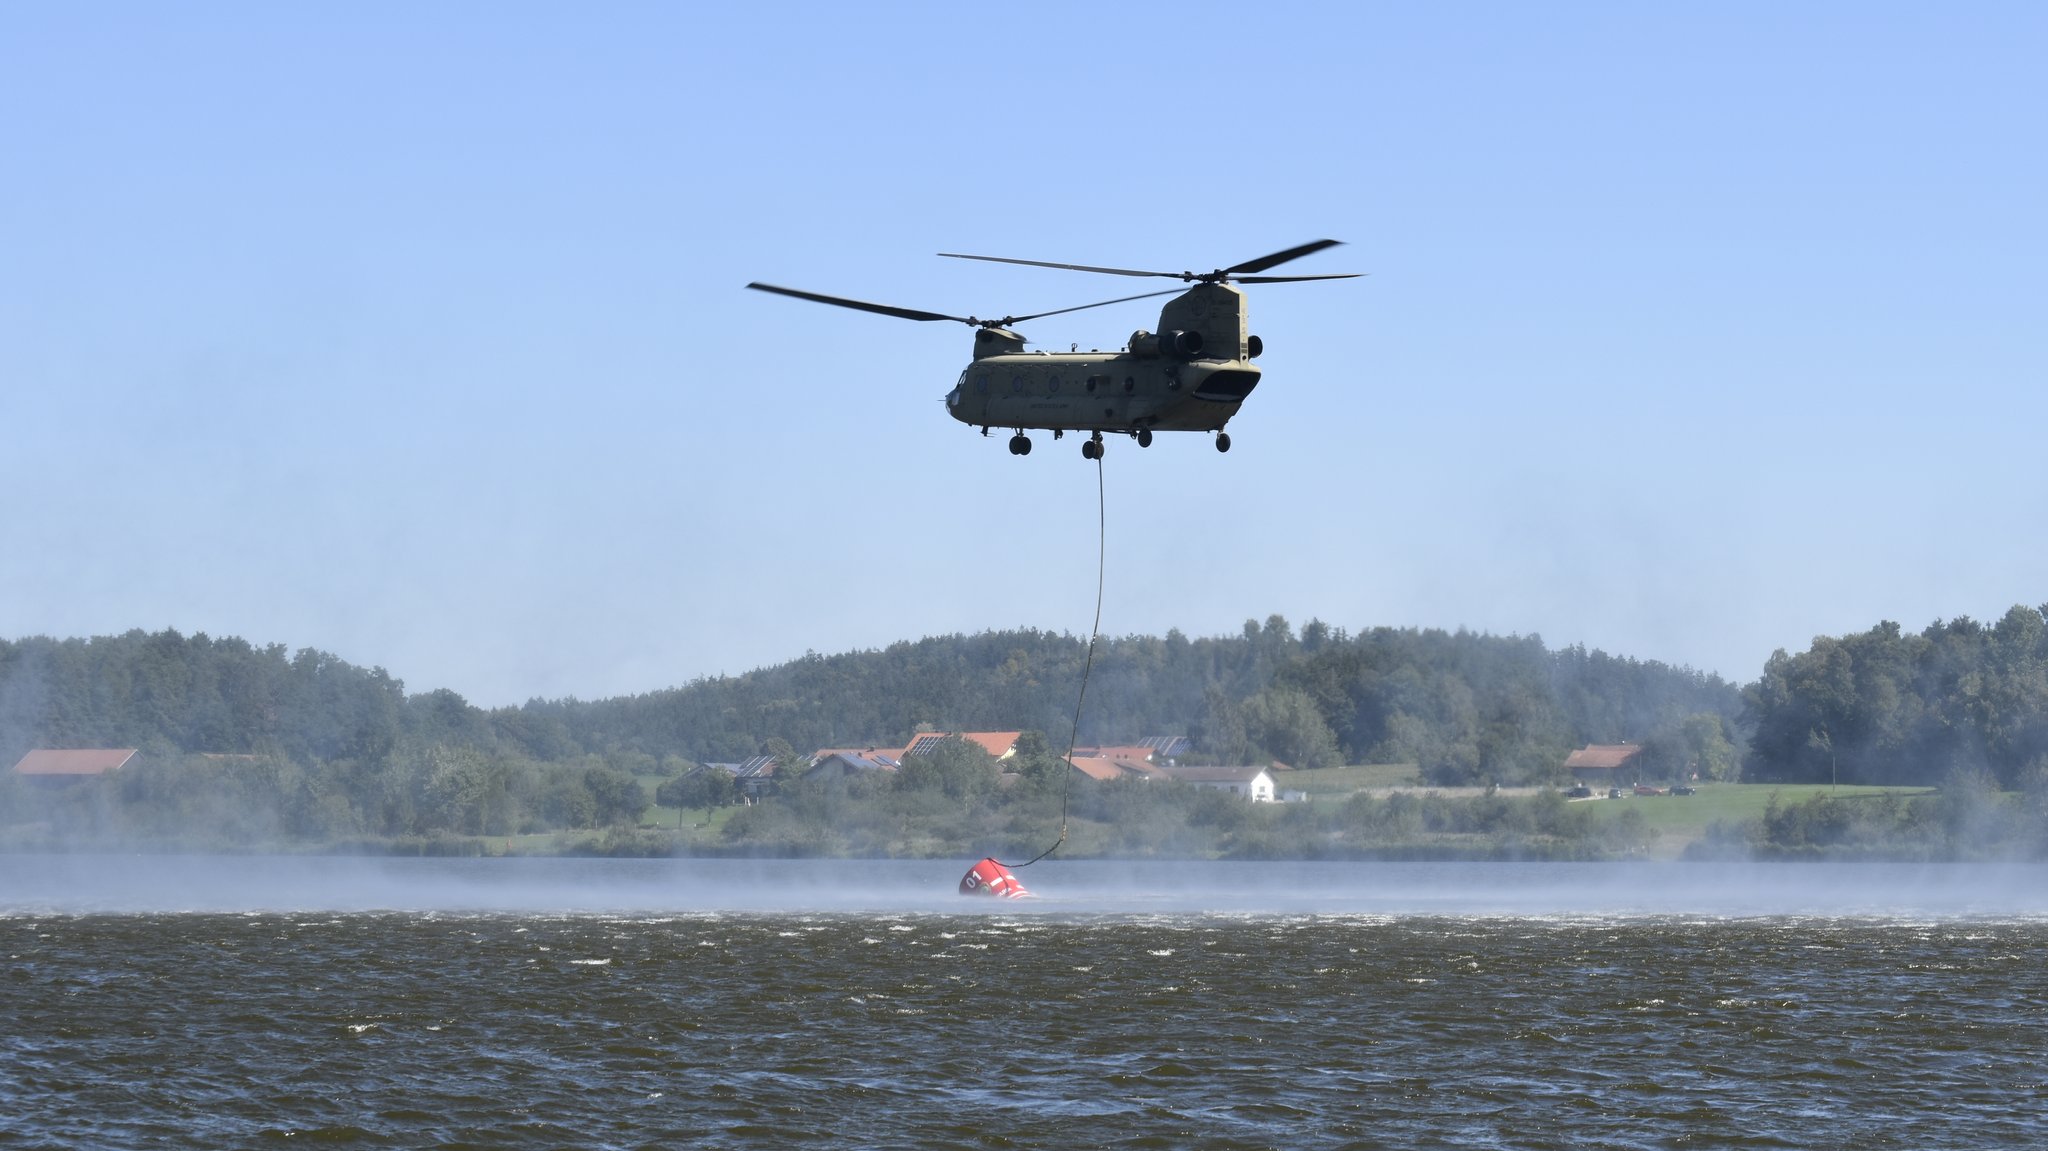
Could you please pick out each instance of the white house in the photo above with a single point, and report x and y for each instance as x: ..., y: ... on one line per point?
x: 1253, y: 783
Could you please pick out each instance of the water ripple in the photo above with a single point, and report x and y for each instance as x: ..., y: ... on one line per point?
x: 1158, y: 1030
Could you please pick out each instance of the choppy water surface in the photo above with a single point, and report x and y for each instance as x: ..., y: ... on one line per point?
x: 1072, y: 1025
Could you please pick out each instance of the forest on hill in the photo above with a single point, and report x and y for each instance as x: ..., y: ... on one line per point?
x: 243, y: 743
x: 1893, y: 707
x: 1467, y: 708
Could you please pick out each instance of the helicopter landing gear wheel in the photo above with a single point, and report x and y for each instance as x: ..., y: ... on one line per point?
x: 1092, y: 450
x: 1222, y: 441
x: 1020, y: 445
x: 1144, y: 437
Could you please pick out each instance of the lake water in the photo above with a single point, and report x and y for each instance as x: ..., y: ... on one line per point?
x: 182, y: 1002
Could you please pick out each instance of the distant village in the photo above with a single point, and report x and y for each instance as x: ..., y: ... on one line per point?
x: 1154, y: 758
x: 1593, y: 768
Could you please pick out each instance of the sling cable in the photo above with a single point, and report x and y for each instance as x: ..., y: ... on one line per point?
x: 991, y: 876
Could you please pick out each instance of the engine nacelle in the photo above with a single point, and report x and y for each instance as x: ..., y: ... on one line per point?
x: 1180, y: 345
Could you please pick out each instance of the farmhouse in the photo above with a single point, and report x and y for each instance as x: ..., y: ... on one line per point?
x: 1605, y: 764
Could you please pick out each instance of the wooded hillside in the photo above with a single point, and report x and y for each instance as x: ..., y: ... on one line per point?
x: 1465, y: 707
x: 246, y: 743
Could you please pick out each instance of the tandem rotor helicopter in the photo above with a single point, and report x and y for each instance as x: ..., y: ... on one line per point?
x: 1191, y: 375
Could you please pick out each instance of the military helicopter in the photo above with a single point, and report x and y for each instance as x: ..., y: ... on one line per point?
x: 1191, y: 375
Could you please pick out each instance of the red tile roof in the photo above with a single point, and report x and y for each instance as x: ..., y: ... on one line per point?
x: 1604, y: 755
x: 1104, y: 768
x: 73, y: 761
x: 1001, y: 744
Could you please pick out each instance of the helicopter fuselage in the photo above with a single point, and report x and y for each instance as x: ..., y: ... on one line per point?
x: 1092, y: 391
x: 1190, y: 376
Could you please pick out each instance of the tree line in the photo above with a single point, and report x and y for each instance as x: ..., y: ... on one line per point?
x: 1892, y: 707
x: 1464, y: 706
x: 302, y: 746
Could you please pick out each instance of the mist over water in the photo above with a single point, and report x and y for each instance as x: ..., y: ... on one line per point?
x: 1118, y: 1023
x: 243, y: 1002
x: 150, y: 884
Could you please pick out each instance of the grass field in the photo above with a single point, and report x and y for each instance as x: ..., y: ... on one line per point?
x: 1678, y: 821
x: 1684, y: 818
x: 1336, y: 782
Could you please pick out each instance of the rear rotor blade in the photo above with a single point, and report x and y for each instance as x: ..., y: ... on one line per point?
x: 1293, y: 279
x: 1279, y: 258
x: 1234, y: 273
x: 863, y: 305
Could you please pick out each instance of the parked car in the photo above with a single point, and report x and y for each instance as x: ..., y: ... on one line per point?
x: 1579, y: 792
x: 1646, y: 789
x: 1614, y: 793
x: 1684, y: 789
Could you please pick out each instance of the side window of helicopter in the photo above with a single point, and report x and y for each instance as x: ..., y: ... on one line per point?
x: 1095, y: 382
x: 981, y: 383
x: 1017, y: 385
x: 1053, y: 385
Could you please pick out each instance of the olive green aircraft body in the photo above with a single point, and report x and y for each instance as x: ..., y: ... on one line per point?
x: 1192, y: 375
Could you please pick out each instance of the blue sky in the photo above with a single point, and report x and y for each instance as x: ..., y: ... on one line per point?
x: 417, y: 333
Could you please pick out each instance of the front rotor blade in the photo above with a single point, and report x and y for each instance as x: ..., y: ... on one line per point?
x: 1008, y: 320
x: 860, y: 305
x: 1293, y: 279
x: 1068, y: 267
x: 1279, y: 258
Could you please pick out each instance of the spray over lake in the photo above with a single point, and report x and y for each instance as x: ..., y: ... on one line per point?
x: 740, y: 1004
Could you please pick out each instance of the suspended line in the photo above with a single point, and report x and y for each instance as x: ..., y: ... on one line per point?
x: 1087, y: 665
